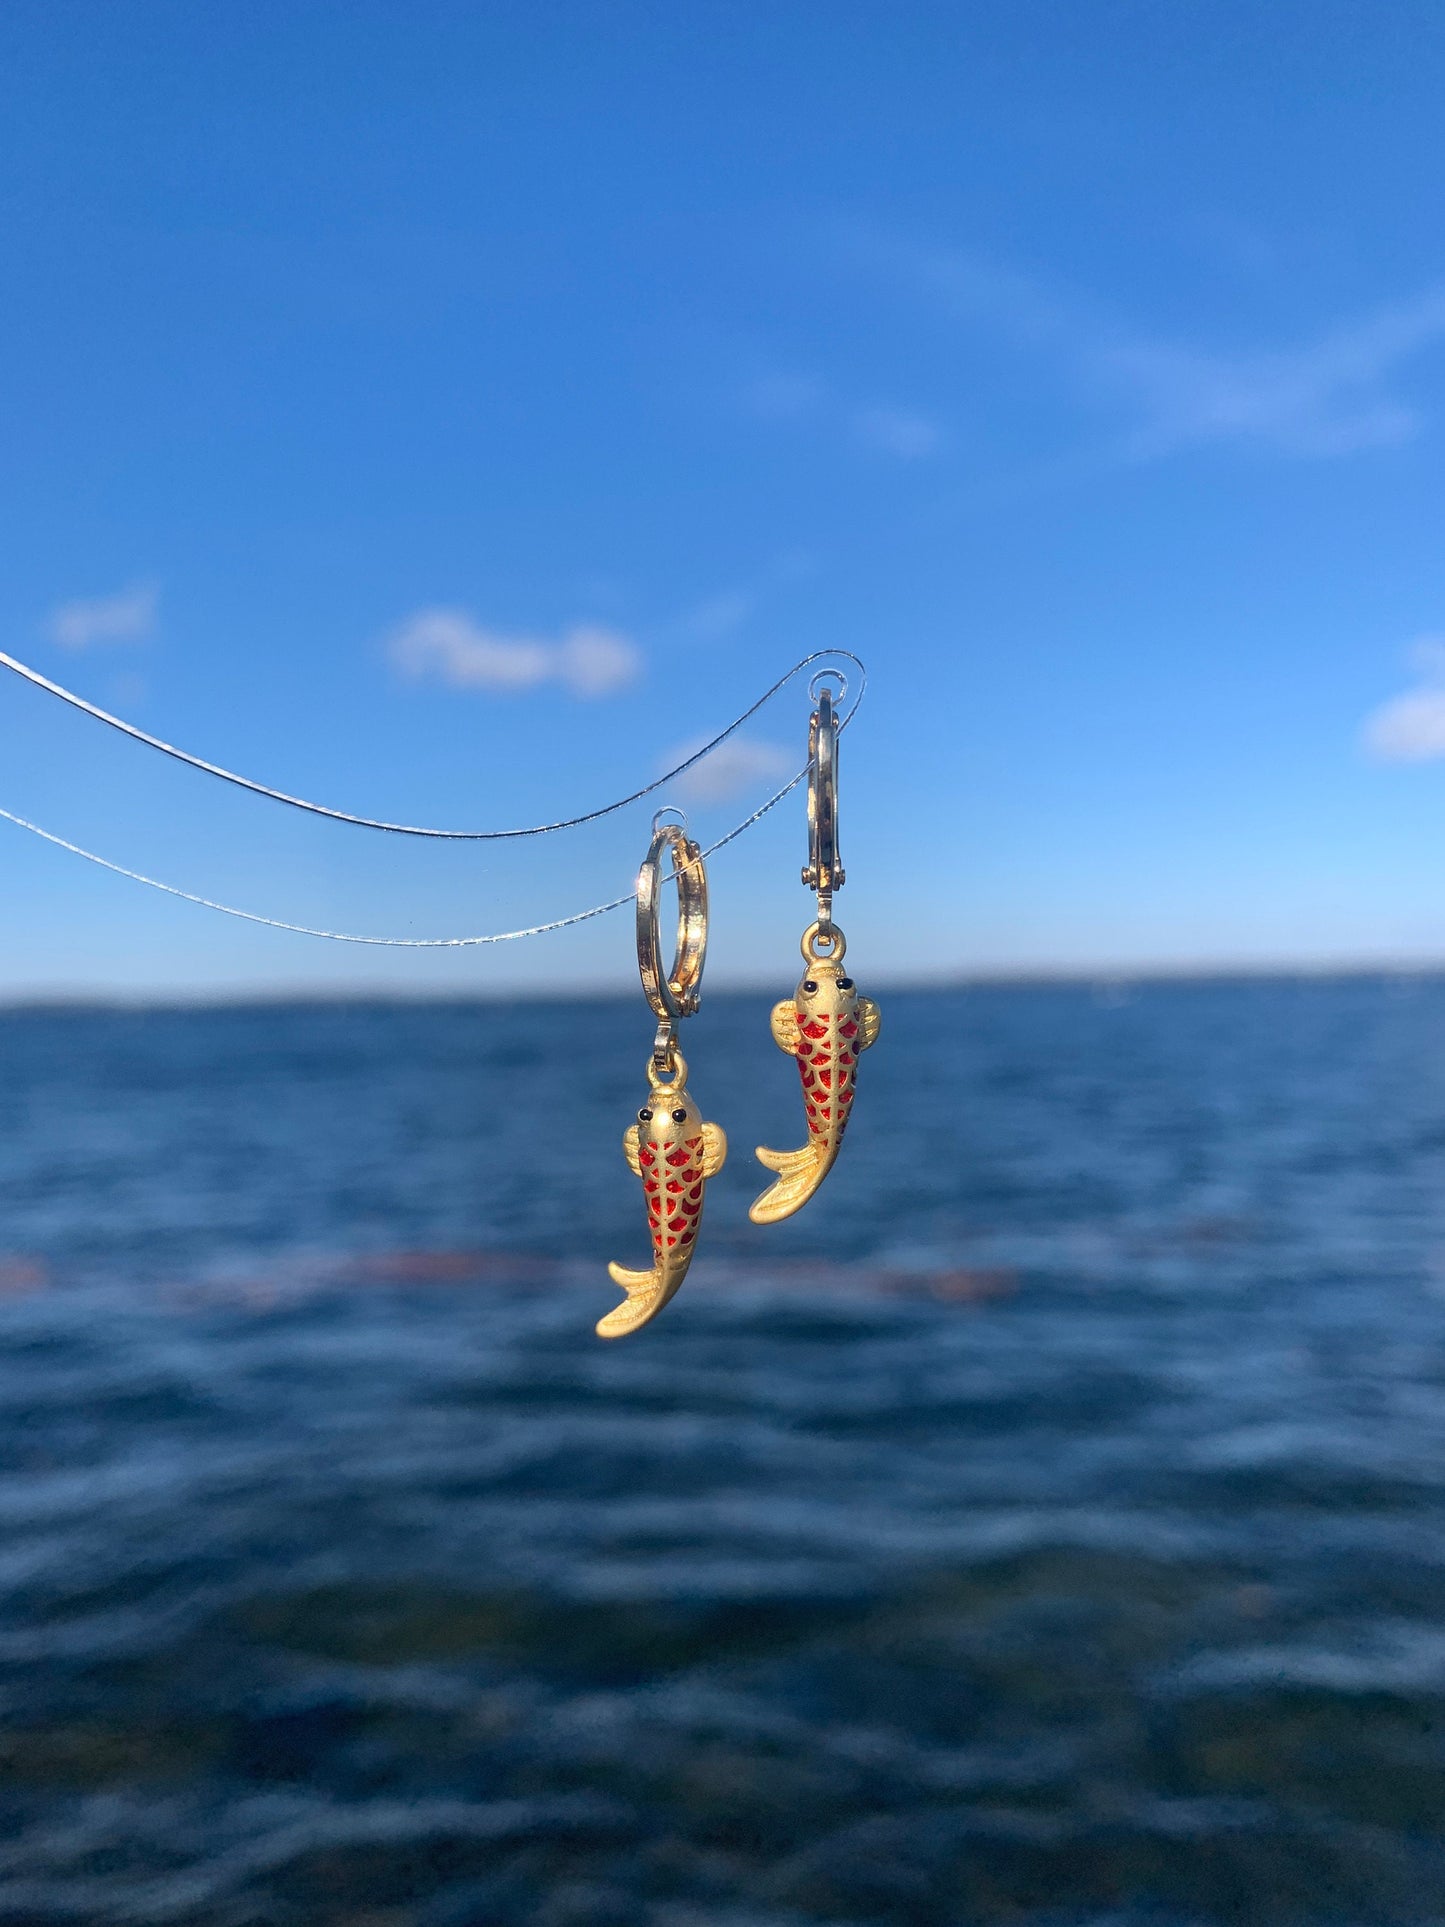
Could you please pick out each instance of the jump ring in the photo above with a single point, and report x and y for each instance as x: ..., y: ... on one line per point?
x: 824, y: 931
x: 827, y: 677
x: 676, y: 1066
x: 675, y: 993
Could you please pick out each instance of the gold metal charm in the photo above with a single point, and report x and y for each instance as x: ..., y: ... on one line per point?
x: 669, y: 1147
x: 825, y: 1024
x: 674, y: 1153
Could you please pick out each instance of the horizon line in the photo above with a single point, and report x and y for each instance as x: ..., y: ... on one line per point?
x: 1115, y: 976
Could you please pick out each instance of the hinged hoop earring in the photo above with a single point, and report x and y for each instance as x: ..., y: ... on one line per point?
x: 823, y: 871
x: 825, y: 1024
x: 669, y: 1147
x: 678, y: 992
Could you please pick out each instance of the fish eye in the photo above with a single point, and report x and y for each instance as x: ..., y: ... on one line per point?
x: 679, y: 1117
x: 644, y: 1116
x: 810, y: 986
x: 845, y: 983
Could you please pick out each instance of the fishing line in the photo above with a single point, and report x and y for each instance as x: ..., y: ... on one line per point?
x: 393, y: 943
x: 413, y: 943
x: 413, y: 829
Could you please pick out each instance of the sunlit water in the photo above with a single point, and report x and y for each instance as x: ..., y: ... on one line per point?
x: 1049, y: 1524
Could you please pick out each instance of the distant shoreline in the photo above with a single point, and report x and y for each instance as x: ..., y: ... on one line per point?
x: 1104, y: 982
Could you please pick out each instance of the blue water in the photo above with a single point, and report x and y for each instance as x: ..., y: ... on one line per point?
x: 1047, y: 1527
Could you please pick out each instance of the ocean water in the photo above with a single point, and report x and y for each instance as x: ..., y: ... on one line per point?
x: 1049, y: 1526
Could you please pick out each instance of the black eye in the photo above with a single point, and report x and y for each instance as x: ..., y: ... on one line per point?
x: 845, y: 983
x: 679, y: 1117
x: 644, y: 1117
x: 810, y: 986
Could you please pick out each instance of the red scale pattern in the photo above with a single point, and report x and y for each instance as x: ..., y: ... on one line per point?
x: 674, y: 1195
x: 827, y: 1067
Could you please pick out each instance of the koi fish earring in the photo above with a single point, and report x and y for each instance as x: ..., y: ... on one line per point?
x: 825, y: 1024
x: 669, y: 1147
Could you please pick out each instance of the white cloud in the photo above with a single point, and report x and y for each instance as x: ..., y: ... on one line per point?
x: 448, y: 646
x: 593, y: 661
x: 1324, y: 396
x: 897, y: 432
x: 740, y: 765
x: 127, y: 616
x: 720, y: 615
x: 1411, y: 728
x: 900, y: 432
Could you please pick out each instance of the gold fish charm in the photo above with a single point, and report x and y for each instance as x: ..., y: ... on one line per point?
x: 825, y: 1025
x: 674, y: 1153
x: 669, y: 1147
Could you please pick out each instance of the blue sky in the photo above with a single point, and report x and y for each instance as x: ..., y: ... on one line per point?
x: 448, y: 411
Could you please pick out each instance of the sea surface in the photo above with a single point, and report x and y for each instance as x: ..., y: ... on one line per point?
x: 1046, y: 1527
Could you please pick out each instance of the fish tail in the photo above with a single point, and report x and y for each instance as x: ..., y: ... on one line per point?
x: 636, y: 1308
x: 799, y: 1175
x: 647, y: 1292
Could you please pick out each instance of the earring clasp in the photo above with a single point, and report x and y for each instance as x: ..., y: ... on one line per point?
x: 675, y: 993
x: 823, y: 871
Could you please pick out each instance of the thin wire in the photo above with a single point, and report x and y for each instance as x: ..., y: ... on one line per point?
x: 392, y: 943
x: 411, y: 829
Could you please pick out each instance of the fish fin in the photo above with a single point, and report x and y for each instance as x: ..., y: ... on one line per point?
x: 643, y: 1300
x: 785, y: 1026
x: 870, y: 1022
x: 799, y: 1175
x: 631, y: 1147
x: 714, y: 1149
x: 786, y: 1161
x: 632, y: 1282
